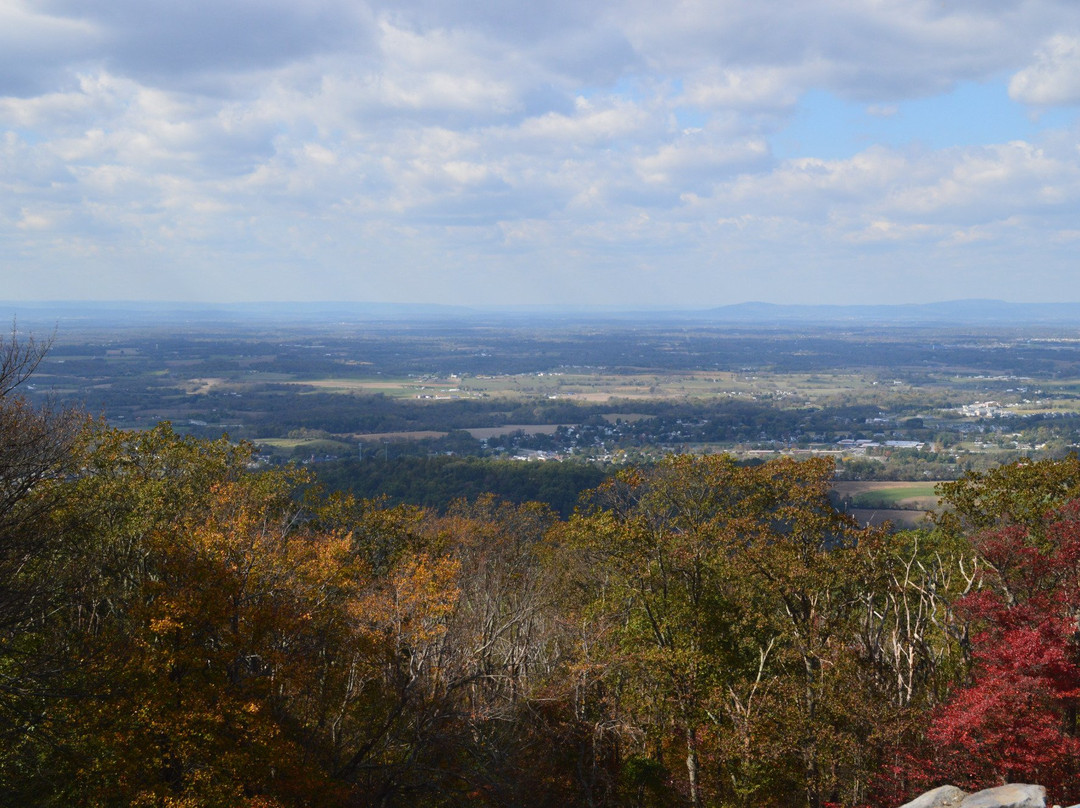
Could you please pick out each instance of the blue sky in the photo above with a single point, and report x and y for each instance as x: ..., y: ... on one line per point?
x: 693, y: 153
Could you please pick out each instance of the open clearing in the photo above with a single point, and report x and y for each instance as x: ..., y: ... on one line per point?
x: 907, y: 495
x: 419, y: 434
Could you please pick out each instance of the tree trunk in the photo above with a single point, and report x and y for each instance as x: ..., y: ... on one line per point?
x: 692, y: 767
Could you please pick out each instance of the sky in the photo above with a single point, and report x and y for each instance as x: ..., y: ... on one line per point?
x: 685, y: 153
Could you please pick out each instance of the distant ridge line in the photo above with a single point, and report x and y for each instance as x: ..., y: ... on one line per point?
x: 968, y: 311
x: 952, y: 312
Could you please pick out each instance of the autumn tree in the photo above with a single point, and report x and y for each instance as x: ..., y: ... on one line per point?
x: 912, y: 645
x: 725, y: 592
x: 180, y: 629
x: 39, y: 444
x: 137, y: 714
x: 231, y: 637
x: 472, y: 682
x: 1015, y: 717
x: 1019, y: 493
x: 503, y: 645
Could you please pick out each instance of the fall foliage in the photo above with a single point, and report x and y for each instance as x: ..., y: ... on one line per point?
x: 179, y: 630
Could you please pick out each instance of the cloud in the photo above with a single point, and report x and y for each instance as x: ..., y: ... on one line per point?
x: 695, y: 161
x: 892, y: 192
x: 1054, y: 78
x: 36, y: 47
x: 34, y: 221
x: 551, y: 146
x: 189, y: 43
x: 744, y: 88
x: 865, y: 50
x: 590, y: 124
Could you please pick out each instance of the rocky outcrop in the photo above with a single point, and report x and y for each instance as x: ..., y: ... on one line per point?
x: 1013, y: 795
x: 944, y: 797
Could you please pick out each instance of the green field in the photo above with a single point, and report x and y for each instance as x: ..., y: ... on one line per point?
x: 903, y: 495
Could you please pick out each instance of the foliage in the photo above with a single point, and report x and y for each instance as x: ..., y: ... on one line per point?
x: 38, y: 446
x: 727, y: 601
x: 1016, y: 717
x: 438, y: 481
x: 178, y: 629
x: 1020, y: 493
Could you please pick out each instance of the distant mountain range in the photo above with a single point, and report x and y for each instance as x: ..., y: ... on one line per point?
x: 142, y: 314
x: 953, y: 311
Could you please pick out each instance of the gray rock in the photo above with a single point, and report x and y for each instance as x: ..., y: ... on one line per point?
x: 942, y: 797
x: 1014, y: 795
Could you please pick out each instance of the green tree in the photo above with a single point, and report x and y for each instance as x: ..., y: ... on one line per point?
x: 726, y: 594
x: 1019, y: 493
x: 38, y: 446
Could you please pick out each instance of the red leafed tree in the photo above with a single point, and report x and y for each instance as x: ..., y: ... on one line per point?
x: 1015, y: 720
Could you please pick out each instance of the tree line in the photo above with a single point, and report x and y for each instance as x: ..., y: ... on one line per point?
x: 177, y: 629
x: 438, y: 482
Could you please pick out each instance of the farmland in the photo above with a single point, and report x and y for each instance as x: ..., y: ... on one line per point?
x: 920, y: 496
x: 888, y: 405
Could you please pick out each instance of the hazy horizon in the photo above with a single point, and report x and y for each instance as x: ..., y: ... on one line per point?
x: 969, y: 311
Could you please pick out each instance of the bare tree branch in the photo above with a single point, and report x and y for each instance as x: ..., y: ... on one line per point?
x: 19, y: 358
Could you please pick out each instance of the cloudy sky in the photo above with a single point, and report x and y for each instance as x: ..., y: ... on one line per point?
x: 630, y: 152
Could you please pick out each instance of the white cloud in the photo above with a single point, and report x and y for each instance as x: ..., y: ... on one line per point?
x: 881, y: 230
x: 995, y: 182
x: 1054, y: 78
x: 745, y: 88
x: 695, y: 161
x: 589, y: 124
x: 34, y: 221
x: 536, y: 143
x: 867, y: 50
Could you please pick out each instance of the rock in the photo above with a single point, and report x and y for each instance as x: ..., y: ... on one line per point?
x: 943, y: 797
x: 1014, y: 795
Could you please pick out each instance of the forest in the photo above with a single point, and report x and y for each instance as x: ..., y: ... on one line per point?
x: 179, y: 627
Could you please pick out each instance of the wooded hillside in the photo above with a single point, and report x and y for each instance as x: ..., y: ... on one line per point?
x: 178, y: 630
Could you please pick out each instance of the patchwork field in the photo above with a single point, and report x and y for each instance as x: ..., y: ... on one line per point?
x: 920, y: 403
x: 603, y: 385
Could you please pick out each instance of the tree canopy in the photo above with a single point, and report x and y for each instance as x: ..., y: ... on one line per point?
x: 179, y: 629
